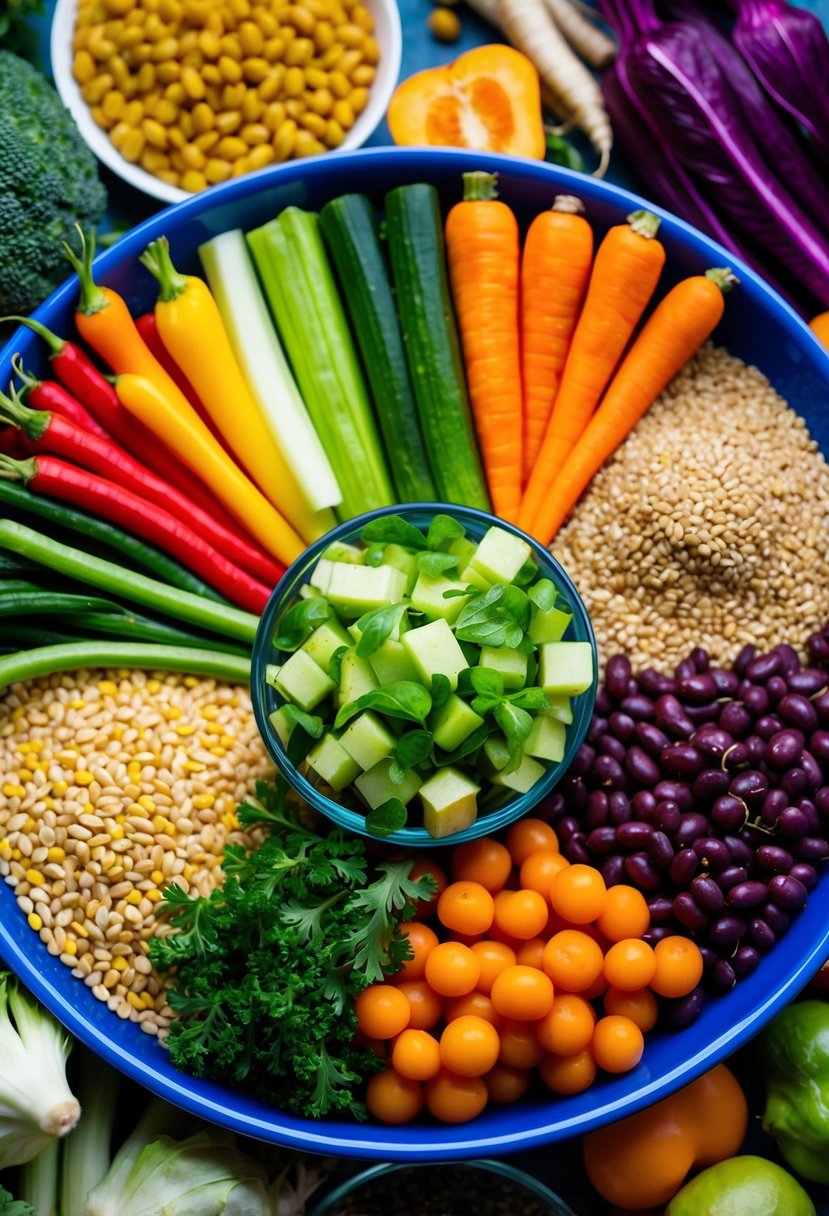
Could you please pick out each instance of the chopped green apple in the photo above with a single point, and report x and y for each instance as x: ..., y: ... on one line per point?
x: 521, y: 779
x: 510, y: 664
x: 402, y: 559
x: 548, y: 625
x: 356, y: 678
x: 353, y: 590
x: 560, y: 707
x: 282, y: 724
x: 565, y: 668
x: 495, y: 754
x: 470, y: 577
x: 453, y: 722
x: 303, y: 681
x: 435, y: 650
x: 500, y: 555
x: 546, y: 740
x: 330, y: 761
x: 429, y: 596
x: 272, y: 671
x: 342, y: 551
x: 376, y: 786
x: 368, y: 740
x: 391, y: 662
x: 321, y: 575
x: 324, y: 641
x: 450, y: 802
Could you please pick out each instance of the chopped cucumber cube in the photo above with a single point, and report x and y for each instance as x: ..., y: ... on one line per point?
x: 470, y: 577
x: 353, y: 590
x: 428, y: 597
x: 329, y: 759
x: 559, y: 707
x: 462, y: 548
x: 282, y: 724
x: 324, y: 641
x: 511, y: 665
x: 342, y: 551
x: 522, y: 778
x: 307, y: 592
x: 500, y: 555
x: 402, y: 625
x: 321, y: 575
x: 402, y: 559
x: 546, y: 739
x: 391, y: 662
x: 453, y: 722
x: 272, y: 671
x: 565, y: 668
x: 435, y: 650
x: 367, y: 740
x: 356, y: 678
x: 495, y: 754
x: 303, y: 681
x: 376, y: 786
x: 450, y: 802
x: 548, y: 625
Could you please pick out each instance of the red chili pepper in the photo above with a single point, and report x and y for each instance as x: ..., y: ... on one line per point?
x: 45, y: 432
x: 10, y: 441
x: 58, y: 479
x: 78, y: 373
x: 49, y: 395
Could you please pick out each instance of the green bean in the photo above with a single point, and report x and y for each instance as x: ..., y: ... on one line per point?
x: 181, y: 605
x: 24, y: 637
x: 128, y: 547
x: 37, y: 602
x: 146, y: 629
x: 46, y: 660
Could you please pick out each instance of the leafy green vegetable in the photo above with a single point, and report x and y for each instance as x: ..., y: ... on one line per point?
x: 443, y: 528
x: 269, y: 965
x: 394, y: 530
x: 497, y: 617
x: 378, y: 625
x: 543, y: 594
x: 300, y: 620
x: 13, y: 1207
x: 399, y: 699
x: 389, y: 817
x: 436, y: 563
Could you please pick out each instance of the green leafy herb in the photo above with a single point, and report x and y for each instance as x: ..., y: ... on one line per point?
x: 466, y: 750
x: 300, y: 620
x: 389, y: 817
x: 496, y: 618
x: 404, y: 699
x: 413, y: 748
x: 299, y: 744
x: 14, y: 1207
x: 394, y: 530
x: 443, y: 529
x: 335, y: 664
x: 543, y: 594
x: 298, y: 717
x: 516, y: 724
x: 560, y: 151
x: 378, y: 625
x: 436, y: 563
x: 373, y: 556
x: 533, y: 698
x: 527, y: 573
x: 441, y: 689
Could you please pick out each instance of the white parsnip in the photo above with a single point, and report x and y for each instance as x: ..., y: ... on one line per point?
x: 592, y: 43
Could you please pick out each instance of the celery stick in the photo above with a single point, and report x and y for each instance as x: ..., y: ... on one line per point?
x: 232, y: 279
x: 300, y: 288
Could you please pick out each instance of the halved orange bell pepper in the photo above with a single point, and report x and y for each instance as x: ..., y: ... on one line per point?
x: 489, y: 99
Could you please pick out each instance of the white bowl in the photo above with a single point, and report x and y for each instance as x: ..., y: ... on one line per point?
x: 387, y: 31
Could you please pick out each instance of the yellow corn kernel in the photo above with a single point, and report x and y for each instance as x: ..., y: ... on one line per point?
x: 24, y: 774
x: 175, y: 711
x: 294, y: 83
x: 202, y: 802
x: 16, y: 855
x: 80, y: 929
x: 217, y: 750
x: 260, y: 156
x: 363, y: 75
x: 166, y: 111
x: 134, y: 897
x: 343, y: 114
x: 207, y: 140
x: 250, y: 38
x: 283, y: 146
x: 185, y: 728
x: 133, y: 112
x: 146, y: 802
x: 230, y: 70
x: 359, y: 100
x: 307, y: 144
x: 228, y: 122
x: 175, y: 93
x: 83, y: 67
x: 192, y: 158
x: 12, y: 790
x: 323, y: 36
x: 332, y: 55
x: 229, y: 148
x: 56, y: 853
x: 34, y: 878
x: 255, y: 133
x: 192, y: 83
x: 321, y: 101
x: 194, y: 766
x: 299, y: 52
x: 255, y: 69
x: 212, y: 77
x: 252, y: 106
x: 168, y: 72
x: 35, y: 922
x: 154, y: 133
x: 70, y: 946
x: 216, y: 171
x: 230, y: 821
x: 154, y: 160
x: 314, y: 123
x: 5, y: 850
x: 135, y: 1000
x: 153, y: 895
x: 117, y: 832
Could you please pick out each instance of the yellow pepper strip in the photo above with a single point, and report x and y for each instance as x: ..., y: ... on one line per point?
x: 194, y: 444
x: 192, y: 329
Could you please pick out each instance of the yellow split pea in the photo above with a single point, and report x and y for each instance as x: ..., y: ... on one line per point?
x: 198, y: 91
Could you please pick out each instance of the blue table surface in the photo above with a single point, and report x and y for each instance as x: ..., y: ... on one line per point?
x: 559, y: 1166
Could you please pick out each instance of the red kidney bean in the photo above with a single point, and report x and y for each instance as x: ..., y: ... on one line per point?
x: 680, y: 760
x: 655, y: 683
x: 700, y: 658
x: 658, y: 933
x: 792, y: 822
x: 598, y: 727
x: 756, y: 748
x: 667, y: 816
x: 675, y: 791
x: 727, y: 682
x: 660, y: 850
x: 641, y: 767
x: 761, y: 935
x: 685, y: 667
x: 797, y: 710
x: 621, y: 726
x: 822, y: 801
x: 813, y: 771
x: 697, y: 689
x: 764, y: 666
x: 812, y: 817
x: 604, y: 704
x: 809, y: 680
x: 767, y: 725
x: 777, y: 920
x: 661, y: 909
x: 722, y: 978
x: 783, y: 748
x: 552, y: 808
x: 811, y: 848
x: 712, y: 741
x: 650, y: 738
x: 787, y: 893
x: 754, y: 697
x: 619, y: 809
x: 702, y: 714
x: 575, y: 791
x: 794, y: 781
x: 714, y: 854
x: 805, y: 873
x: 747, y: 895
x: 710, y: 784
x: 818, y: 647
x: 633, y: 835
x: 774, y: 859
x: 688, y: 912
x: 609, y: 745
x: 789, y: 657
x: 685, y: 1011
x: 734, y: 719
x: 730, y: 877
x: 745, y: 960
x: 613, y: 871
x: 601, y: 841
x: 707, y: 894
x: 709, y: 956
x: 617, y: 672
x: 821, y: 704
x: 738, y: 756
x: 729, y: 813
x: 672, y: 718
x: 726, y: 930
x: 819, y: 746
x: 610, y: 772
x: 775, y: 801
x: 643, y: 804
x: 596, y: 810
x: 693, y: 826
x: 683, y: 867
x: 639, y: 707
x: 740, y: 853
x: 583, y: 760
x: 751, y: 786
x: 641, y: 872
x: 566, y: 827
x: 576, y: 851
x: 744, y: 657
x: 776, y: 687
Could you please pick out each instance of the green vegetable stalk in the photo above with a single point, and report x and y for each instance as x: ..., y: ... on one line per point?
x: 795, y: 1051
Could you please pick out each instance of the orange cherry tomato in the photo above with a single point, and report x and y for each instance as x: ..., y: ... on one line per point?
x: 522, y: 993
x: 522, y: 914
x: 530, y: 953
x: 425, y: 1005
x: 527, y: 836
x: 568, y: 1028
x: 596, y: 990
x: 421, y: 940
x: 630, y: 964
x: 484, y: 860
x: 506, y: 1084
x: 493, y: 957
x: 473, y: 1002
x: 392, y: 1098
x: 427, y: 865
x: 678, y: 966
x: 416, y: 1055
x: 469, y: 1046
x: 573, y: 960
x: 617, y: 1044
x: 641, y: 1007
x: 382, y: 1011
x: 519, y: 1045
x: 452, y: 969
x: 568, y: 1074
x: 625, y: 913
x: 466, y: 907
x: 578, y: 893
x: 540, y: 868
x: 454, y: 1099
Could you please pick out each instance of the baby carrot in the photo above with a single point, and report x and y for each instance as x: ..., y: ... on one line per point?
x: 192, y: 442
x: 676, y: 329
x: 482, y: 249
x: 555, y: 265
x: 625, y: 272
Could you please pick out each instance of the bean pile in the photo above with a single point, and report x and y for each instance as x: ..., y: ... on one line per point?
x: 112, y: 786
x: 198, y: 91
x: 708, y: 789
x: 708, y: 527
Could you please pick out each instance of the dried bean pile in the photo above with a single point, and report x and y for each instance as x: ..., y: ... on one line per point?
x: 112, y: 786
x: 708, y: 789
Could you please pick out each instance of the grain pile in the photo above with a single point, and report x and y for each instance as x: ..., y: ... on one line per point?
x: 112, y: 786
x: 710, y: 525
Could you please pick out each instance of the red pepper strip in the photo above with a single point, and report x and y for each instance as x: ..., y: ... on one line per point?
x: 51, y: 433
x: 147, y: 326
x: 10, y: 441
x: 78, y: 373
x: 59, y: 479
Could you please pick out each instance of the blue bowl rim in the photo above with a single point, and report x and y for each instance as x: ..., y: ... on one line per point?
x: 512, y: 808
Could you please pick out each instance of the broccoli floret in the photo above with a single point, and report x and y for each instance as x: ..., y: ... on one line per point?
x: 48, y: 183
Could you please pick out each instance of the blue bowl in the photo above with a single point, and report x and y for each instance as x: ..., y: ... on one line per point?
x: 761, y: 329
x: 266, y: 699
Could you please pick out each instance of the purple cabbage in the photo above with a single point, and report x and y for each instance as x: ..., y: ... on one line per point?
x: 788, y: 51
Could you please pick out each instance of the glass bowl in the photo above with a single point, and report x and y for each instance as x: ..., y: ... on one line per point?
x: 509, y: 1190
x: 266, y: 699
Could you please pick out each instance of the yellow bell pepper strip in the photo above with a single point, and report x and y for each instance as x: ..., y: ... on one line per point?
x: 192, y: 330
x: 194, y: 444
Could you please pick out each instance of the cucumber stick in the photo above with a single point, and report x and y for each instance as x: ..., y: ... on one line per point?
x: 299, y: 284
x: 414, y: 230
x: 349, y: 228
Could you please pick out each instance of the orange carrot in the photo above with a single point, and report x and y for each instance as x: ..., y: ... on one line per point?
x: 555, y: 265
x: 674, y: 332
x: 625, y: 272
x: 482, y: 248
x: 819, y: 326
